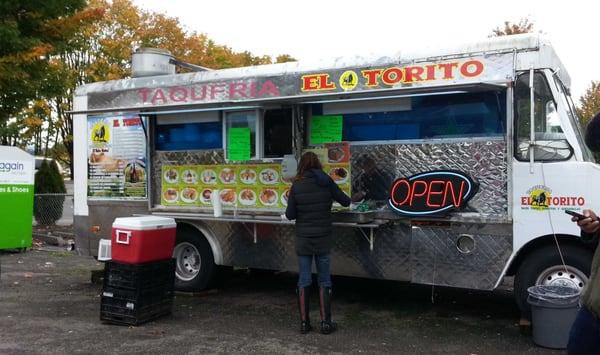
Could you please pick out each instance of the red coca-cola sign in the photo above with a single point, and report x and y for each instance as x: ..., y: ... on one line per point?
x: 432, y: 193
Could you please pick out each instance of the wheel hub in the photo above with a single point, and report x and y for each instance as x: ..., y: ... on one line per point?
x: 559, y: 276
x: 188, y: 261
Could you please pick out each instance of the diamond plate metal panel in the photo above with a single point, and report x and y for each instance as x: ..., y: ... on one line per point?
x: 351, y: 256
x: 435, y: 259
x: 484, y: 160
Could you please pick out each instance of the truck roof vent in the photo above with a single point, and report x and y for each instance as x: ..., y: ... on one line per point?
x: 155, y: 61
x: 151, y: 62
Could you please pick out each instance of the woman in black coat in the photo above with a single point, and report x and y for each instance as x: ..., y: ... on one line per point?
x: 311, y: 197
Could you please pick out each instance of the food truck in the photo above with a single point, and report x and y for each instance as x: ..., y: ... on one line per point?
x: 461, y: 163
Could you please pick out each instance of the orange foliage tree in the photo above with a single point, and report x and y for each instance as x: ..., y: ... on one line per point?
x: 102, y: 38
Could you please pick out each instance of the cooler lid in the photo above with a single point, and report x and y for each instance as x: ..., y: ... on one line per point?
x: 144, y: 222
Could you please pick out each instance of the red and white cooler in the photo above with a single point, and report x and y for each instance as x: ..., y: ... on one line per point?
x: 138, y: 240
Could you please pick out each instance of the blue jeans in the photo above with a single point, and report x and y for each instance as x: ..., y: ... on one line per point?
x: 585, y: 334
x: 322, y: 263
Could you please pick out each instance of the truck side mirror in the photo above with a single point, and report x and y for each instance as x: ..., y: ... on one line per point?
x: 592, y: 133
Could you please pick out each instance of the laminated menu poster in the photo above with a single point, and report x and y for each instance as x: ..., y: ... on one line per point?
x: 239, y: 186
x: 252, y: 186
x: 116, y: 157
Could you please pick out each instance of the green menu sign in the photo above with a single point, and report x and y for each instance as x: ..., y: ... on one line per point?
x: 325, y: 129
x: 16, y: 197
x: 238, y: 144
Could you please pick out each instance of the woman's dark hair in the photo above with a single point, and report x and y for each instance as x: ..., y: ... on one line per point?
x: 592, y: 133
x: 308, y: 162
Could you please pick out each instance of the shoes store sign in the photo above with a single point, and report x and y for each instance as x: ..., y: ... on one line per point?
x: 16, y: 197
x: 432, y: 193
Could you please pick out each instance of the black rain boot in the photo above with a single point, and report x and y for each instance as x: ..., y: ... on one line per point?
x: 303, y: 306
x: 327, y: 325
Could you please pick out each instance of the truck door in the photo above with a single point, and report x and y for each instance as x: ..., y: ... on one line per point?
x: 547, y: 179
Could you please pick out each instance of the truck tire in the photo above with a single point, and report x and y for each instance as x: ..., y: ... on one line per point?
x: 544, y: 267
x: 195, y: 265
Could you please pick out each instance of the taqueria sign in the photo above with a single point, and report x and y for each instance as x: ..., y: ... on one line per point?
x: 211, y: 87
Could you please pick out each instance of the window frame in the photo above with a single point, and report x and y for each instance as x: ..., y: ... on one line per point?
x: 259, y: 137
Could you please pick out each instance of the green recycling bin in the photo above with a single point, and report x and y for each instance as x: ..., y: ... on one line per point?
x: 16, y: 197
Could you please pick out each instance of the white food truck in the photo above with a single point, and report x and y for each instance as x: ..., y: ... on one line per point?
x: 463, y: 160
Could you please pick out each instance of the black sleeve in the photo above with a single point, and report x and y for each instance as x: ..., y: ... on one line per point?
x: 591, y: 239
x: 339, y: 195
x: 290, y: 211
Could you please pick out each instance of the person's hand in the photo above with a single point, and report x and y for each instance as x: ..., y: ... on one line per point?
x: 358, y: 196
x: 590, y: 224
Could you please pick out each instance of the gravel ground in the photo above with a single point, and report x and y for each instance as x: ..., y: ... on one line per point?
x: 49, y: 306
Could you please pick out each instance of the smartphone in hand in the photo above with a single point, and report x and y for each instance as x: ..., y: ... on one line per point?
x: 579, y: 216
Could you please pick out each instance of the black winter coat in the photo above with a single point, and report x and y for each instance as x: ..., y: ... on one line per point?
x: 310, y: 204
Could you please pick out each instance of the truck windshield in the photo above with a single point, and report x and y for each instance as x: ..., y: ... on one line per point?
x: 575, y: 122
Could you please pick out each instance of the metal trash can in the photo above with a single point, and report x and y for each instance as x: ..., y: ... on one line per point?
x: 553, y: 311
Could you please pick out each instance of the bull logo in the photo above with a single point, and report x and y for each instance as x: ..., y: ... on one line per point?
x: 100, y: 133
x: 348, y: 80
x: 539, y: 197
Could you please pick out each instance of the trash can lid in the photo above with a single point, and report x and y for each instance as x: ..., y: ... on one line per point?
x: 552, y: 292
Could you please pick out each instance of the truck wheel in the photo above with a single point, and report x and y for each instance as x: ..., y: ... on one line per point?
x: 544, y: 267
x: 195, y: 266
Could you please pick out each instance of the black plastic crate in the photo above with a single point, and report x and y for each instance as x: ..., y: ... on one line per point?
x: 134, y: 307
x: 139, y: 276
x: 126, y: 316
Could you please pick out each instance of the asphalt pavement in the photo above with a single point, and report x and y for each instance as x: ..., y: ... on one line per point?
x: 48, y: 305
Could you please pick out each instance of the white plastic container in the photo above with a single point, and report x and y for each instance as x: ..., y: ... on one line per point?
x: 215, y: 199
x: 104, y: 253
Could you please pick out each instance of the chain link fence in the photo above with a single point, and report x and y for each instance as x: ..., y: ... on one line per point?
x: 53, y: 215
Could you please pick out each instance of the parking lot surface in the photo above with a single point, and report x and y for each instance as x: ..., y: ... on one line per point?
x: 48, y: 305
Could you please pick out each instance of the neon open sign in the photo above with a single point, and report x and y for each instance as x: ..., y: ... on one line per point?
x: 432, y: 193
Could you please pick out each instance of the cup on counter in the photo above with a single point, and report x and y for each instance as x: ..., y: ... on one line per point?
x: 215, y: 200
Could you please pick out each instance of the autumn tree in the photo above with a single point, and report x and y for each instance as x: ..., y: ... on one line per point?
x: 284, y: 58
x: 589, y: 103
x: 523, y: 26
x: 25, y: 44
x: 101, y: 40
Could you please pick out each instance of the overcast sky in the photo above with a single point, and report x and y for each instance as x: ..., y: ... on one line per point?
x: 311, y: 29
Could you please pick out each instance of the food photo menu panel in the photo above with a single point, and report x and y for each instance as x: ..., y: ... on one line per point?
x: 256, y: 186
x: 246, y: 186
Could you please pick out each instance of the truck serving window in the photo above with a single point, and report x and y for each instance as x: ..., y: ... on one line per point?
x: 550, y: 141
x: 277, y: 132
x: 189, y: 132
x: 479, y: 114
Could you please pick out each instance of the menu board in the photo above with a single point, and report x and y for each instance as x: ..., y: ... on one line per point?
x: 325, y: 129
x: 116, y: 157
x: 253, y: 186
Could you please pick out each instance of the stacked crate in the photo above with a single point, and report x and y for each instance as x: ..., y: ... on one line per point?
x: 138, y: 281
